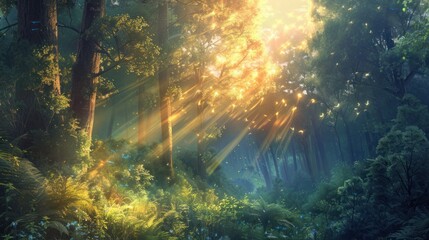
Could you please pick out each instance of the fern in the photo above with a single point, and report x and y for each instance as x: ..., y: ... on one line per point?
x: 416, y: 228
x: 270, y: 214
x: 31, y: 203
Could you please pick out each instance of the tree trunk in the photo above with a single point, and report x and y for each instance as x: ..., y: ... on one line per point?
x: 265, y: 171
x: 306, y: 156
x: 295, y: 164
x: 275, y: 162
x: 285, y: 166
x: 200, y: 131
x: 165, y: 101
x: 111, y: 125
x: 349, y: 140
x: 320, y: 146
x: 37, y: 24
x: 369, y: 136
x: 141, y: 130
x: 337, y: 136
x: 86, y: 68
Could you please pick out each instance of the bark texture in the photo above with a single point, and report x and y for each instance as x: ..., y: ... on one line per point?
x: 165, y: 100
x: 86, y: 68
x: 37, y: 24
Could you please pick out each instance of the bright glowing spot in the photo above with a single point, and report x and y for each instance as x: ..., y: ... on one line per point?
x: 220, y: 59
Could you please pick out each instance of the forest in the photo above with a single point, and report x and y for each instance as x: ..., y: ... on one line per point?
x: 214, y: 119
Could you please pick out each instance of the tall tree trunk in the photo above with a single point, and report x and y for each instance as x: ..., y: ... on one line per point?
x: 349, y: 140
x: 111, y: 125
x: 165, y: 101
x: 114, y: 101
x: 337, y: 136
x: 306, y: 156
x: 141, y: 129
x: 295, y: 163
x: 263, y: 166
x: 285, y: 166
x: 37, y: 24
x: 319, y: 145
x: 275, y: 162
x: 200, y: 131
x: 369, y: 136
x: 86, y: 68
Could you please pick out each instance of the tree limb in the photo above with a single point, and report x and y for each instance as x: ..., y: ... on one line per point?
x: 107, y: 69
x: 69, y: 27
x: 8, y: 26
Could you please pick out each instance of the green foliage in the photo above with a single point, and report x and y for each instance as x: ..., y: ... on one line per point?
x: 27, y: 78
x: 412, y: 112
x: 60, y: 146
x: 6, y: 6
x: 126, y: 41
x: 385, y: 197
x: 269, y: 215
x: 121, y: 168
x: 416, y: 228
x: 34, y: 206
x: 136, y: 220
x: 403, y: 159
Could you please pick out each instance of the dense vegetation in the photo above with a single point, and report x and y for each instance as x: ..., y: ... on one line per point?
x: 178, y: 120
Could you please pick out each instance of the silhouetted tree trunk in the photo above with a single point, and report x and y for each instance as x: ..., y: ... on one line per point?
x: 319, y: 145
x: 141, y: 129
x: 37, y: 24
x: 86, y: 69
x: 306, y: 156
x: 262, y: 162
x: 165, y: 101
x: 200, y: 131
x: 284, y: 169
x: 369, y: 136
x: 349, y: 139
x: 337, y: 136
x: 275, y: 162
x: 111, y: 125
x: 295, y: 164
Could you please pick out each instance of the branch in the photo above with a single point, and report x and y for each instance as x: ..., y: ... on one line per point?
x: 8, y: 26
x: 69, y: 27
x: 107, y: 69
x: 386, y: 89
x: 101, y: 49
x: 409, y: 77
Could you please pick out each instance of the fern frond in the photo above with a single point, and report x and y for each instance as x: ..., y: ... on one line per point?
x: 416, y: 228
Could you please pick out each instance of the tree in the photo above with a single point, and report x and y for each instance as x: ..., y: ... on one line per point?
x: 221, y: 62
x: 367, y: 32
x: 120, y: 41
x: 87, y: 67
x: 37, y: 27
x: 165, y: 99
x: 362, y: 60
